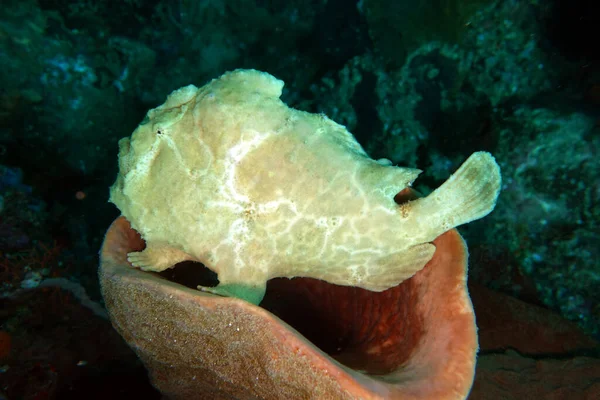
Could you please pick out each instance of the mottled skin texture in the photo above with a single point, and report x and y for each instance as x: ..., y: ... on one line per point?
x: 229, y: 176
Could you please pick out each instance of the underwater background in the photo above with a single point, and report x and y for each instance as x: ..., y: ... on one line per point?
x: 421, y: 83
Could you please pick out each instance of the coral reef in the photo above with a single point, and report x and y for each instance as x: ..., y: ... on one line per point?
x: 548, y: 215
x: 421, y: 84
